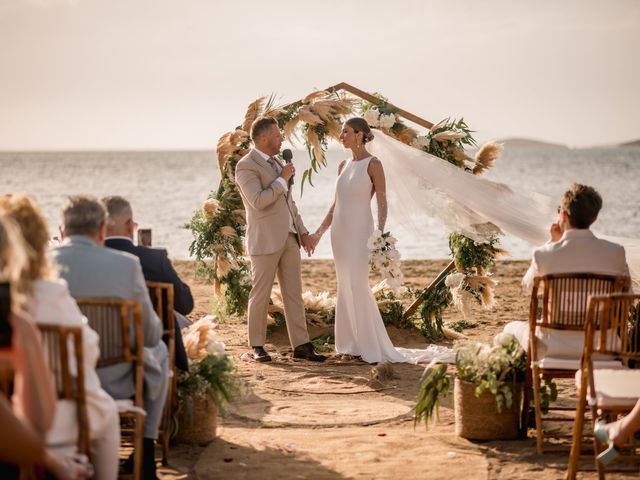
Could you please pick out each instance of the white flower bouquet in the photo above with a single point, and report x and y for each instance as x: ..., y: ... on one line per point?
x: 384, y: 258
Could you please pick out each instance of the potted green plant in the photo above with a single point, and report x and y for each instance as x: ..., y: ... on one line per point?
x: 207, y: 387
x: 488, y: 385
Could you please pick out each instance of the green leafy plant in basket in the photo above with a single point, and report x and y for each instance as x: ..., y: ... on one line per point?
x: 211, y: 375
x: 491, y: 368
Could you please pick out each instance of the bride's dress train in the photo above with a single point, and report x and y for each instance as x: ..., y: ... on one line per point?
x: 359, y: 329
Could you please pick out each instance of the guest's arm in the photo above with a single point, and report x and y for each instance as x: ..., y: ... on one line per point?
x: 23, y: 445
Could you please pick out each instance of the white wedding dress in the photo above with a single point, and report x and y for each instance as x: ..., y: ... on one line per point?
x: 359, y: 329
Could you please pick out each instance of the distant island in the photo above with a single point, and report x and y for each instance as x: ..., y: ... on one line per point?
x: 516, y: 142
x: 634, y: 143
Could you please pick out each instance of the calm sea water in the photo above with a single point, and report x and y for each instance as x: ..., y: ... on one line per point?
x: 166, y: 187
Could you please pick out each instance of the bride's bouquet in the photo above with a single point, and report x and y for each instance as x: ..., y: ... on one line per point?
x: 384, y: 258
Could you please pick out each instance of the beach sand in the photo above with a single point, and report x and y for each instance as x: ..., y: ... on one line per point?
x: 301, y: 420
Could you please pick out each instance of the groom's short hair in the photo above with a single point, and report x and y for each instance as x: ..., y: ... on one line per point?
x: 582, y: 204
x: 261, y: 125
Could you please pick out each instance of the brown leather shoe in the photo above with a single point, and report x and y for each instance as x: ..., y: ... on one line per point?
x: 306, y: 352
x: 261, y: 355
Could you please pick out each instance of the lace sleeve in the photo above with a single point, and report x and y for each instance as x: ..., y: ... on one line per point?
x: 376, y: 172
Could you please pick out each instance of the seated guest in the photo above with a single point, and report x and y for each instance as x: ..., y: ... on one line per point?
x: 34, y: 400
x: 94, y: 271
x: 50, y: 303
x: 156, y: 265
x: 572, y: 248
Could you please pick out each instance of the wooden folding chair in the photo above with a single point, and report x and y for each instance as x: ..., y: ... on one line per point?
x: 69, y: 385
x: 161, y: 294
x: 562, y: 299
x: 119, y: 325
x: 612, y: 330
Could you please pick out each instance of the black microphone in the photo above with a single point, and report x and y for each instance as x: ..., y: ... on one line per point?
x: 288, y: 156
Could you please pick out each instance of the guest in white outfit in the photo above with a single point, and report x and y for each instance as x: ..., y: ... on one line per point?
x: 50, y: 303
x: 572, y: 248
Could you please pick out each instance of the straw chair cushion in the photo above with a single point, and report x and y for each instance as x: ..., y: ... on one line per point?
x: 567, y: 344
x: 615, y: 388
x: 562, y: 363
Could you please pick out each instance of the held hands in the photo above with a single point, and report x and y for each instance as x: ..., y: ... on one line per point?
x: 287, y: 171
x: 309, y: 242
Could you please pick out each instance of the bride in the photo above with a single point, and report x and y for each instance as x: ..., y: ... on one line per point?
x: 359, y: 329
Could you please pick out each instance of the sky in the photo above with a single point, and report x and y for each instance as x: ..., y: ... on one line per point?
x: 169, y: 74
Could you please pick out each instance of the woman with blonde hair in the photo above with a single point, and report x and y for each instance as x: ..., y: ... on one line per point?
x: 31, y: 412
x: 49, y: 302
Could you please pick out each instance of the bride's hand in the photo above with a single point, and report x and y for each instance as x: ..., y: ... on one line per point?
x: 315, y: 239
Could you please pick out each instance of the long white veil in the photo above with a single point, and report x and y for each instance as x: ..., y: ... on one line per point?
x: 421, y: 185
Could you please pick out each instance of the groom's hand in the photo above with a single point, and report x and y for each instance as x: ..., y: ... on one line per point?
x: 307, y: 243
x: 287, y: 171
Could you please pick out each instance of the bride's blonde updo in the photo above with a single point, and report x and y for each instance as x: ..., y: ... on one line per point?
x: 359, y: 124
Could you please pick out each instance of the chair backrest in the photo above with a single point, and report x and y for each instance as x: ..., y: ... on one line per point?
x: 162, y: 296
x: 564, y: 297
x: 69, y: 385
x: 613, y: 327
x: 119, y: 326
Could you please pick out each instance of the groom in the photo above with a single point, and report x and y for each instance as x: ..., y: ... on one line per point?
x: 274, y: 235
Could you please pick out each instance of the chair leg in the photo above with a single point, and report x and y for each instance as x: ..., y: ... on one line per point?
x: 526, y: 403
x: 138, y: 441
x: 578, y: 425
x: 538, y: 410
x: 165, y: 448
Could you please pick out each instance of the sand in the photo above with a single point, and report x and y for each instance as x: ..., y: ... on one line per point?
x: 301, y: 420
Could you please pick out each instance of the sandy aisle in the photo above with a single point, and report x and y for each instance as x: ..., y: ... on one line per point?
x: 301, y: 420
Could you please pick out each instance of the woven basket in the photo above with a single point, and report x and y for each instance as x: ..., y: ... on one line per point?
x: 477, y: 417
x: 200, y: 427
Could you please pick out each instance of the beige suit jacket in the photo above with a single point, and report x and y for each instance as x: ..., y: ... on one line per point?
x: 578, y: 251
x: 267, y: 205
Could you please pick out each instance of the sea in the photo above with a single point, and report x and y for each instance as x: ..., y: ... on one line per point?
x: 166, y: 187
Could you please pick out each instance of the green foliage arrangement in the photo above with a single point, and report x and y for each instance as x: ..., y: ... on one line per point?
x: 392, y: 307
x: 492, y: 368
x: 435, y: 302
x: 435, y: 385
x: 548, y: 394
x: 448, y: 139
x: 212, y: 378
x: 472, y: 256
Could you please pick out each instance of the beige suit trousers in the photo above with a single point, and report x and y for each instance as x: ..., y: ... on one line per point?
x: 286, y: 264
